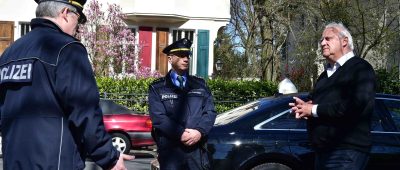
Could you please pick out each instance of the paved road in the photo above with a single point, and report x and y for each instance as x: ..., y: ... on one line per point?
x: 141, y: 162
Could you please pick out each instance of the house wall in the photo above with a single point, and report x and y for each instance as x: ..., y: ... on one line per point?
x: 179, y: 14
x: 190, y: 25
x: 204, y: 25
x: 172, y: 14
x: 17, y: 11
x: 189, y: 8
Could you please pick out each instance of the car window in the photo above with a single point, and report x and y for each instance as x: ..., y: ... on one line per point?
x: 376, y: 121
x: 110, y: 107
x: 234, y: 114
x: 284, y: 120
x: 393, y: 107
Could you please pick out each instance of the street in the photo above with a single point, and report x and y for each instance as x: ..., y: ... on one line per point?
x: 141, y: 161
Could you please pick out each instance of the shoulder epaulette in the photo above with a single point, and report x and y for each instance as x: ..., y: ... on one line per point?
x: 198, y: 80
x: 196, y: 77
x: 159, y: 80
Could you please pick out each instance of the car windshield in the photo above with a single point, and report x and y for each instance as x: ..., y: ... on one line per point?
x: 110, y: 107
x: 234, y: 114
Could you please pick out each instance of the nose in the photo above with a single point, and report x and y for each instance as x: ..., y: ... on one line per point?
x: 323, y: 42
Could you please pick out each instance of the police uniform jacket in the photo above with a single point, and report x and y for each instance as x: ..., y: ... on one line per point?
x: 49, y: 104
x: 172, y: 110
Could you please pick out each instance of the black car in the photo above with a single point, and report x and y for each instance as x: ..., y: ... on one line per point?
x: 264, y: 135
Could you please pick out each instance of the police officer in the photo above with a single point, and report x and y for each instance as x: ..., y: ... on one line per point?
x: 182, y: 111
x: 49, y: 99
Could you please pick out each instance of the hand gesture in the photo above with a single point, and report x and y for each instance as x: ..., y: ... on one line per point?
x: 120, y: 163
x: 301, y: 108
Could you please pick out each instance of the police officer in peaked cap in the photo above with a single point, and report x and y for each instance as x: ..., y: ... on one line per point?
x: 182, y: 110
x: 49, y: 101
x: 78, y: 4
x: 180, y: 48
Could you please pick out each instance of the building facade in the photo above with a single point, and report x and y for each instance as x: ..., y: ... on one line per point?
x: 156, y: 24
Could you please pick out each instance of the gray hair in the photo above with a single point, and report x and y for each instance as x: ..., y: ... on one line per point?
x: 343, y: 32
x: 52, y: 9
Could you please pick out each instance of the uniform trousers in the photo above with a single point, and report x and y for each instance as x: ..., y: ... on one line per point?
x: 183, y: 158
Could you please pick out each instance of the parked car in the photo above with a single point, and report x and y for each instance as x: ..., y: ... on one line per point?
x: 263, y: 134
x: 128, y: 128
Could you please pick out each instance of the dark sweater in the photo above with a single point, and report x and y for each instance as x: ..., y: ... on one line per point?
x: 345, y: 105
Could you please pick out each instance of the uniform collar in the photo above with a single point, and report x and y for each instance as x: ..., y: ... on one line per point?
x: 43, y: 22
x: 174, y: 78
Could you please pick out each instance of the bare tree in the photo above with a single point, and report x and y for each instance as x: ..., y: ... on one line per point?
x: 263, y: 28
x: 277, y: 37
x: 373, y: 24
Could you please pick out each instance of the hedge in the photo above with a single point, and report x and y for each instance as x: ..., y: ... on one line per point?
x: 129, y: 92
x: 232, y: 93
x: 227, y: 93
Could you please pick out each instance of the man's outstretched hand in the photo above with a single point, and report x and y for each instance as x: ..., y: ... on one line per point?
x: 120, y: 163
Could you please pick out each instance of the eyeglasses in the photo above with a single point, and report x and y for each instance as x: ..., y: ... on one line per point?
x: 80, y: 20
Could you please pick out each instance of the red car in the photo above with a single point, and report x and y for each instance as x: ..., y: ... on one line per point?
x: 127, y: 128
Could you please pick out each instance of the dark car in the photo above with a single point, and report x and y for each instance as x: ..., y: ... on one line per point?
x: 128, y: 128
x: 264, y: 135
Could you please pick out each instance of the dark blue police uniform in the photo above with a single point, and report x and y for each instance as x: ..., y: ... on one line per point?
x: 49, y: 107
x: 172, y: 110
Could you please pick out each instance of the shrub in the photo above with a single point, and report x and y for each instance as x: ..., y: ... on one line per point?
x: 227, y: 93
x: 388, y: 81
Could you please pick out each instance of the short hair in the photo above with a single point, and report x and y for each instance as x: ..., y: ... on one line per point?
x: 52, y: 8
x: 343, y: 32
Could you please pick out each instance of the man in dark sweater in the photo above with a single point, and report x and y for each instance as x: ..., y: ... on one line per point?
x: 341, y: 104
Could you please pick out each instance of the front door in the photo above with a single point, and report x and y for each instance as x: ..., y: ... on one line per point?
x: 6, y: 34
x: 145, y: 42
x: 161, y: 58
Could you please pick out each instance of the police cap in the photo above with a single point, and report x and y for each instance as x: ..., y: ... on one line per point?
x: 78, y: 4
x: 180, y: 48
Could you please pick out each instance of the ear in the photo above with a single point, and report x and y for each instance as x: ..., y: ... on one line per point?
x: 345, y: 42
x: 170, y: 59
x: 63, y: 14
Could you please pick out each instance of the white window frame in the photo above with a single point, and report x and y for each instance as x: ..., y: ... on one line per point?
x: 23, y: 28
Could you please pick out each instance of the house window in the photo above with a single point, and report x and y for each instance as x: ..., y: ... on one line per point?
x: 25, y: 28
x: 133, y: 30
x: 179, y: 34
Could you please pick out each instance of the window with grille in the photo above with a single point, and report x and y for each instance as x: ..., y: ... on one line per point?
x: 179, y: 34
x: 25, y: 28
